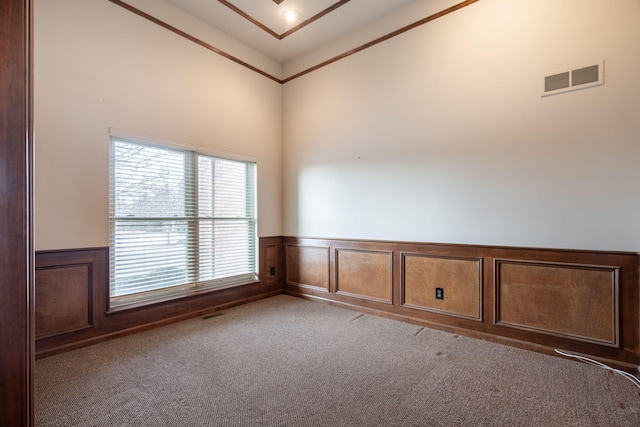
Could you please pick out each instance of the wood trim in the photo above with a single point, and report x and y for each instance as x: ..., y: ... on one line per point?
x: 265, y: 28
x: 95, y: 339
x: 97, y: 262
x: 623, y: 349
x: 479, y: 334
x: 313, y: 18
x: 310, y: 69
x: 16, y: 244
x: 271, y: 246
x: 381, y: 39
x: 250, y: 18
x: 625, y: 266
x: 366, y: 276
x: 193, y: 39
x: 479, y: 288
x: 109, y: 324
x: 55, y: 294
x: 326, y: 275
x: 614, y: 314
x: 271, y: 257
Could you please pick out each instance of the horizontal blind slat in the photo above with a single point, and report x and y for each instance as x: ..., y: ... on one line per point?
x: 179, y: 220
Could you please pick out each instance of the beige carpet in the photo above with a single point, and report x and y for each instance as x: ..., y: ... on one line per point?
x: 285, y: 361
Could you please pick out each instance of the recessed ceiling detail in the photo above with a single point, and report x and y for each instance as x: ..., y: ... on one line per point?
x: 259, y: 23
x: 290, y: 31
x: 214, y: 49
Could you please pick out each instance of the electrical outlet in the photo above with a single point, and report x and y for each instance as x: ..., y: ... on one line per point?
x: 272, y: 271
x: 439, y: 293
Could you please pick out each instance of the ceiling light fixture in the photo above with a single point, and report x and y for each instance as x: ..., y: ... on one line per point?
x: 290, y: 15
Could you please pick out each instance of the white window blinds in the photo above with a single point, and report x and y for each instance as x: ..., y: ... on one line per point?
x: 179, y: 220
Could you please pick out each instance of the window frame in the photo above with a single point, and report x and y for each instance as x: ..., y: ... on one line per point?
x: 193, y: 218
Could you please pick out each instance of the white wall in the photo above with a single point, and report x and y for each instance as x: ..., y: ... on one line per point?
x: 99, y: 66
x: 440, y: 134
x: 436, y: 135
x: 405, y: 15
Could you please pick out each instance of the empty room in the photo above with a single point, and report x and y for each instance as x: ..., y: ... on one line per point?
x: 320, y: 212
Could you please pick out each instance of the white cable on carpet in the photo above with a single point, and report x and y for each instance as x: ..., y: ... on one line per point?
x: 627, y: 375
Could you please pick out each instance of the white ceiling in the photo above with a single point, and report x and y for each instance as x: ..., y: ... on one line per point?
x: 341, y: 20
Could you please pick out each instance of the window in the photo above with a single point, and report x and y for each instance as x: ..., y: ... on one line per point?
x: 180, y: 221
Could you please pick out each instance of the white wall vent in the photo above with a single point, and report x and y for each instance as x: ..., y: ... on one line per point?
x: 579, y: 78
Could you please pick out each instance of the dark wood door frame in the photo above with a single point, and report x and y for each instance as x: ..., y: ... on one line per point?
x: 16, y: 251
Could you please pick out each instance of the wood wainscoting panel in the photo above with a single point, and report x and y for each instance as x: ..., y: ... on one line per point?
x: 271, y: 265
x: 541, y: 299
x: 72, y: 291
x: 576, y: 301
x: 459, y: 278
x: 63, y: 299
x: 307, y: 266
x: 365, y: 274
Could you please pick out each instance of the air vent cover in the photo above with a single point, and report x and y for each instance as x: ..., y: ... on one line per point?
x: 578, y: 78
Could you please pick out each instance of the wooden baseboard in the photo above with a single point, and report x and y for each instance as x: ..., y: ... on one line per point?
x: 72, y: 293
x: 75, y: 344
x: 629, y: 367
x: 585, y: 302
